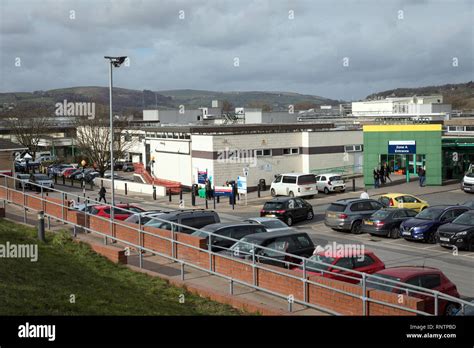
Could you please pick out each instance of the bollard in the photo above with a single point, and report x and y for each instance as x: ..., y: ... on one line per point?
x: 64, y: 180
x: 41, y: 226
x: 92, y: 185
x: 233, y: 201
x: 193, y: 198
x: 181, y: 194
x: 169, y: 194
x: 214, y: 199
x: 258, y: 191
x: 126, y: 189
x: 207, y: 204
x: 218, y: 199
x: 353, y: 184
x: 72, y: 182
x: 154, y: 193
x: 55, y: 178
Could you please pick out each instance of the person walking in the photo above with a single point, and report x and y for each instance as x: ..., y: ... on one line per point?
x: 364, y: 195
x: 102, y: 193
x: 376, y: 178
x: 208, y: 189
x: 387, y: 172
x: 422, y: 176
x: 382, y: 174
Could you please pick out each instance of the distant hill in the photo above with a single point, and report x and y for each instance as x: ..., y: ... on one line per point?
x: 460, y: 95
x: 129, y: 101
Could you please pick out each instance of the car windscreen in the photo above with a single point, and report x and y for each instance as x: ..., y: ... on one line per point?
x: 430, y: 213
x: 336, y: 207
x: 313, y: 263
x: 335, y: 178
x: 306, y: 179
x: 470, y: 175
x: 23, y: 176
x: 41, y: 177
x: 380, y: 214
x: 274, y: 224
x: 465, y: 219
x: 245, y: 245
x: 469, y: 204
x: 382, y: 284
x: 273, y: 206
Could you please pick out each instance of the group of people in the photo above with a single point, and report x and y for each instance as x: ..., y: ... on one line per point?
x: 381, y: 175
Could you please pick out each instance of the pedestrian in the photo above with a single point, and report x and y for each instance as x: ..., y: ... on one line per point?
x: 387, y: 172
x: 422, y: 176
x: 208, y: 189
x: 376, y: 178
x: 382, y: 174
x: 102, y: 193
x: 364, y: 195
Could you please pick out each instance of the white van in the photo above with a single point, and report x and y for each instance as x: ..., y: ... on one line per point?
x: 294, y: 185
x: 468, y: 180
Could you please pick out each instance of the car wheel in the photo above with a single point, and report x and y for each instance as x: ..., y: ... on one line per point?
x: 451, y: 309
x: 291, y: 194
x: 289, y: 221
x: 310, y: 215
x: 272, y: 192
x: 326, y: 191
x: 356, y: 227
x: 394, y: 233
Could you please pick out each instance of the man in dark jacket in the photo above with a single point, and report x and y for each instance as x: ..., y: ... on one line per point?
x: 102, y: 193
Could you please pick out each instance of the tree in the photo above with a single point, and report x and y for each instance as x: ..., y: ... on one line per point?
x: 260, y: 105
x: 28, y: 131
x: 93, y: 141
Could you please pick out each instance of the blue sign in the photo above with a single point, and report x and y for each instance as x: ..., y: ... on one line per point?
x: 202, y: 176
x: 407, y: 147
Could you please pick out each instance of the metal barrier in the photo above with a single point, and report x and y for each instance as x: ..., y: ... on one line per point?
x: 343, y: 170
x: 257, y: 258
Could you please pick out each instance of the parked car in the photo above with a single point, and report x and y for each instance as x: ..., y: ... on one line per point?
x: 424, y: 225
x: 143, y: 217
x: 128, y: 167
x: 403, y: 200
x: 23, y: 181
x: 271, y: 224
x: 321, y: 264
x: 121, y: 210
x: 425, y: 277
x: 468, y: 310
x: 386, y: 221
x: 459, y: 233
x: 288, y: 210
x: 294, y: 185
x: 469, y: 204
x: 467, y: 184
x: 330, y: 182
x: 67, y: 171
x: 234, y: 230
x: 41, y: 180
x: 276, y: 243
x: 348, y: 214
x: 56, y: 169
x: 197, y: 218
x: 89, y: 177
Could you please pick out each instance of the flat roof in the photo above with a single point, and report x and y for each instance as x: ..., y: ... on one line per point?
x: 7, y: 145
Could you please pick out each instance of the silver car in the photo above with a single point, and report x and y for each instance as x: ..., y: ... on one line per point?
x: 270, y: 224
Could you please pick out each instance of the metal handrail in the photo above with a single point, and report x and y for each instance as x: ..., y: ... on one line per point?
x: 415, y: 289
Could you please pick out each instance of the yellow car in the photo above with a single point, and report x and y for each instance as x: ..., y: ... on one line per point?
x: 403, y: 200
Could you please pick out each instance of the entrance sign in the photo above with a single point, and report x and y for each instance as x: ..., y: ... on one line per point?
x: 406, y: 147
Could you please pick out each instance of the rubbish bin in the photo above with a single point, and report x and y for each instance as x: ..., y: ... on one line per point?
x: 262, y: 184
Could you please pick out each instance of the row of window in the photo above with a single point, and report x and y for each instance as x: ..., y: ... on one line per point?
x: 269, y: 152
x: 460, y: 128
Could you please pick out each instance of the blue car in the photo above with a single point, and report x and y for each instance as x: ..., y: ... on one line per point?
x: 425, y: 224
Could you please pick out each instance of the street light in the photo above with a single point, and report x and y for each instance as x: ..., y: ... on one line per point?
x: 113, y: 62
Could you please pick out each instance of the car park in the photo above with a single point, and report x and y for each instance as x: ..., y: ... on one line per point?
x: 459, y: 233
x: 41, y: 180
x: 121, y: 210
x: 424, y: 277
x: 403, y: 200
x: 424, y: 225
x: 330, y: 183
x: 194, y: 219
x: 294, y: 185
x: 277, y: 245
x: 322, y: 263
x: 348, y: 214
x: 271, y: 224
x: 23, y: 181
x: 234, y: 230
x: 386, y: 221
x: 288, y: 210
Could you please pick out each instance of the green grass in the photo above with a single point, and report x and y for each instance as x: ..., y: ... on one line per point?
x: 100, y: 286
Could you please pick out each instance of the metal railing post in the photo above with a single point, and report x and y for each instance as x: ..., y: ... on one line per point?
x: 436, y: 303
x: 305, y: 283
x: 209, y: 250
x: 254, y: 273
x: 63, y: 204
x: 173, y: 245
x: 364, y: 293
x: 140, y: 241
x: 182, y: 271
x: 24, y: 205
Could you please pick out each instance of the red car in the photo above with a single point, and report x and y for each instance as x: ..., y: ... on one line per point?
x: 425, y: 277
x: 366, y: 262
x: 66, y: 172
x: 119, y: 214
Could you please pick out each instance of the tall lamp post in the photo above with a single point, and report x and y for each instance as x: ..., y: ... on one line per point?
x: 113, y: 62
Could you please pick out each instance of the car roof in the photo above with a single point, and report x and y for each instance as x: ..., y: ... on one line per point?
x: 329, y: 174
x: 190, y: 211
x: 446, y: 206
x: 119, y: 205
x: 333, y: 251
x: 262, y: 219
x: 295, y: 174
x: 276, y: 234
x: 407, y: 271
x: 351, y: 200
x: 281, y: 199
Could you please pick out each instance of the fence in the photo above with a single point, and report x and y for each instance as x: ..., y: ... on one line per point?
x: 343, y: 170
x: 295, y: 282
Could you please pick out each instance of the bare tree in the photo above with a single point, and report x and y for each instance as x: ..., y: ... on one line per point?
x: 28, y: 131
x: 93, y: 141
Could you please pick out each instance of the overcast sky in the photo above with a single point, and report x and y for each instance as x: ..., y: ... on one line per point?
x: 281, y: 45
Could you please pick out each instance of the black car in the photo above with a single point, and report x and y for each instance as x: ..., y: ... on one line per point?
x: 348, y: 214
x: 196, y: 218
x: 423, y: 226
x: 234, y: 230
x: 276, y: 243
x: 386, y: 221
x: 459, y: 233
x: 288, y: 209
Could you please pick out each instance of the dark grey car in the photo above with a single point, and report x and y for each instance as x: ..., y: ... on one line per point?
x: 196, y: 219
x: 348, y: 214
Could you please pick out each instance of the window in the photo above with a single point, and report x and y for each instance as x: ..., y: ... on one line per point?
x: 291, y: 204
x: 375, y: 205
x: 291, y: 151
x: 226, y: 232
x: 303, y: 241
x: 289, y: 179
x: 306, y: 179
x: 345, y: 262
x: 277, y: 179
x: 410, y: 199
x: 323, y: 178
x: 411, y: 213
x: 399, y: 214
x: 352, y: 148
x: 263, y: 153
x: 278, y: 246
x: 430, y: 281
x: 363, y: 261
x: 449, y: 215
